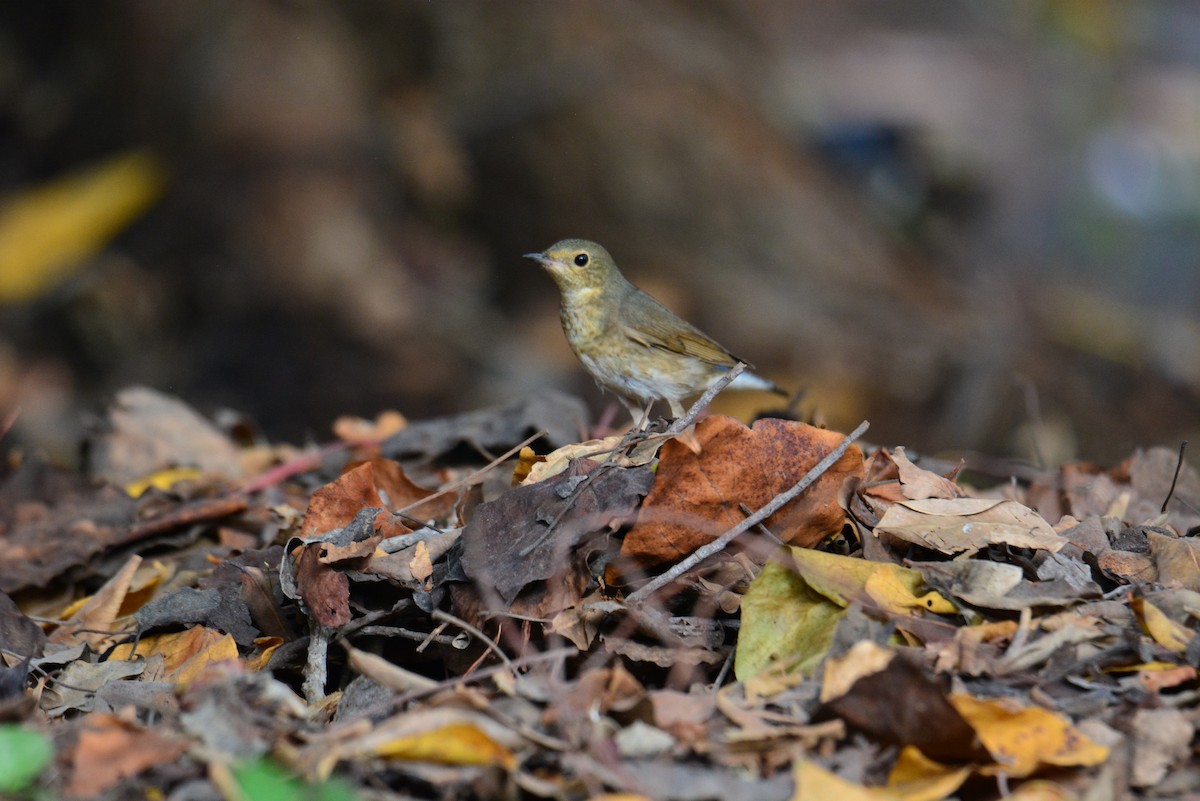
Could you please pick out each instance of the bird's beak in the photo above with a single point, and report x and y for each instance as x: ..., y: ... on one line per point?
x: 540, y: 258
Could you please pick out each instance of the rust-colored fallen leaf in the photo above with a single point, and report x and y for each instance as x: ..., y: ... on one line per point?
x: 110, y: 749
x: 697, y: 497
x: 336, y: 504
x: 326, y: 591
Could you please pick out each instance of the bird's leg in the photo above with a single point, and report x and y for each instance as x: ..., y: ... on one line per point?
x: 641, y: 415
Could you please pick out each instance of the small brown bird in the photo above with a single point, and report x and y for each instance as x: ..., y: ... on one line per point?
x: 628, y: 341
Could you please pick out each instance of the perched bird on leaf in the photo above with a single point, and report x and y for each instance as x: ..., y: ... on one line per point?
x: 629, y: 342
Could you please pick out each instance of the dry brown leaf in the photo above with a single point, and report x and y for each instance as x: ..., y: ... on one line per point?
x: 600, y: 450
x: 110, y: 749
x: 697, y: 497
x: 919, y: 483
x: 964, y: 524
x: 1176, y: 560
x: 325, y: 590
x: 95, y: 622
x: 1161, y: 740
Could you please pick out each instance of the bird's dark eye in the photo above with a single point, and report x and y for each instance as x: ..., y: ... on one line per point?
x: 581, y: 260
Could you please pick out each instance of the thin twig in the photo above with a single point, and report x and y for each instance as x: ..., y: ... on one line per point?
x: 702, y: 553
x: 435, y: 636
x: 483, y: 673
x: 446, y: 617
x: 454, y: 485
x: 682, y: 424
x: 1174, y: 478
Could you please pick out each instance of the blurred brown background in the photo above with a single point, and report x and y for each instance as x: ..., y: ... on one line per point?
x: 973, y: 223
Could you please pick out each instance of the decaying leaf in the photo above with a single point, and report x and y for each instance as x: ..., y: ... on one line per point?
x: 925, y: 719
x: 55, y: 522
x: 696, y: 497
x: 534, y: 532
x: 95, y: 621
x: 109, y: 749
x: 1161, y: 741
x: 597, y: 450
x: 919, y: 484
x: 997, y: 585
x: 147, y: 432
x: 963, y: 524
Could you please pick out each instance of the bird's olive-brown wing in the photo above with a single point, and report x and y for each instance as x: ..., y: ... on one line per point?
x: 647, y: 322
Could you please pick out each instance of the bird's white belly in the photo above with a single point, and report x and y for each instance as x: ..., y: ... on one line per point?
x: 647, y: 379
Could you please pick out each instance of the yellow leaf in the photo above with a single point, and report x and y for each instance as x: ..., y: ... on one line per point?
x: 163, y: 480
x: 1143, y: 667
x: 1023, y: 739
x: 185, y: 653
x: 843, y: 579
x: 48, y: 231
x: 452, y: 744
x: 1041, y: 790
x: 1165, y: 631
x: 864, y: 658
x: 893, y: 589
x: 265, y: 648
x: 814, y: 783
x: 916, y: 777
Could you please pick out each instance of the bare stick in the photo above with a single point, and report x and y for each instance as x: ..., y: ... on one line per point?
x: 682, y: 423
x: 446, y: 617
x: 1174, y: 478
x: 454, y: 485
x: 705, y: 551
x: 315, y: 670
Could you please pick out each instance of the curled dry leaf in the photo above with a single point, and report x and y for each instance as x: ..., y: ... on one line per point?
x: 918, y: 483
x: 599, y: 450
x: 964, y: 524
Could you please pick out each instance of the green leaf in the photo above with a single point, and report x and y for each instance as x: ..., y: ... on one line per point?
x: 783, y: 621
x: 23, y: 756
x: 263, y: 780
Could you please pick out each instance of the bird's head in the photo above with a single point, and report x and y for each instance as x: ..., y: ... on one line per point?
x: 577, y: 264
